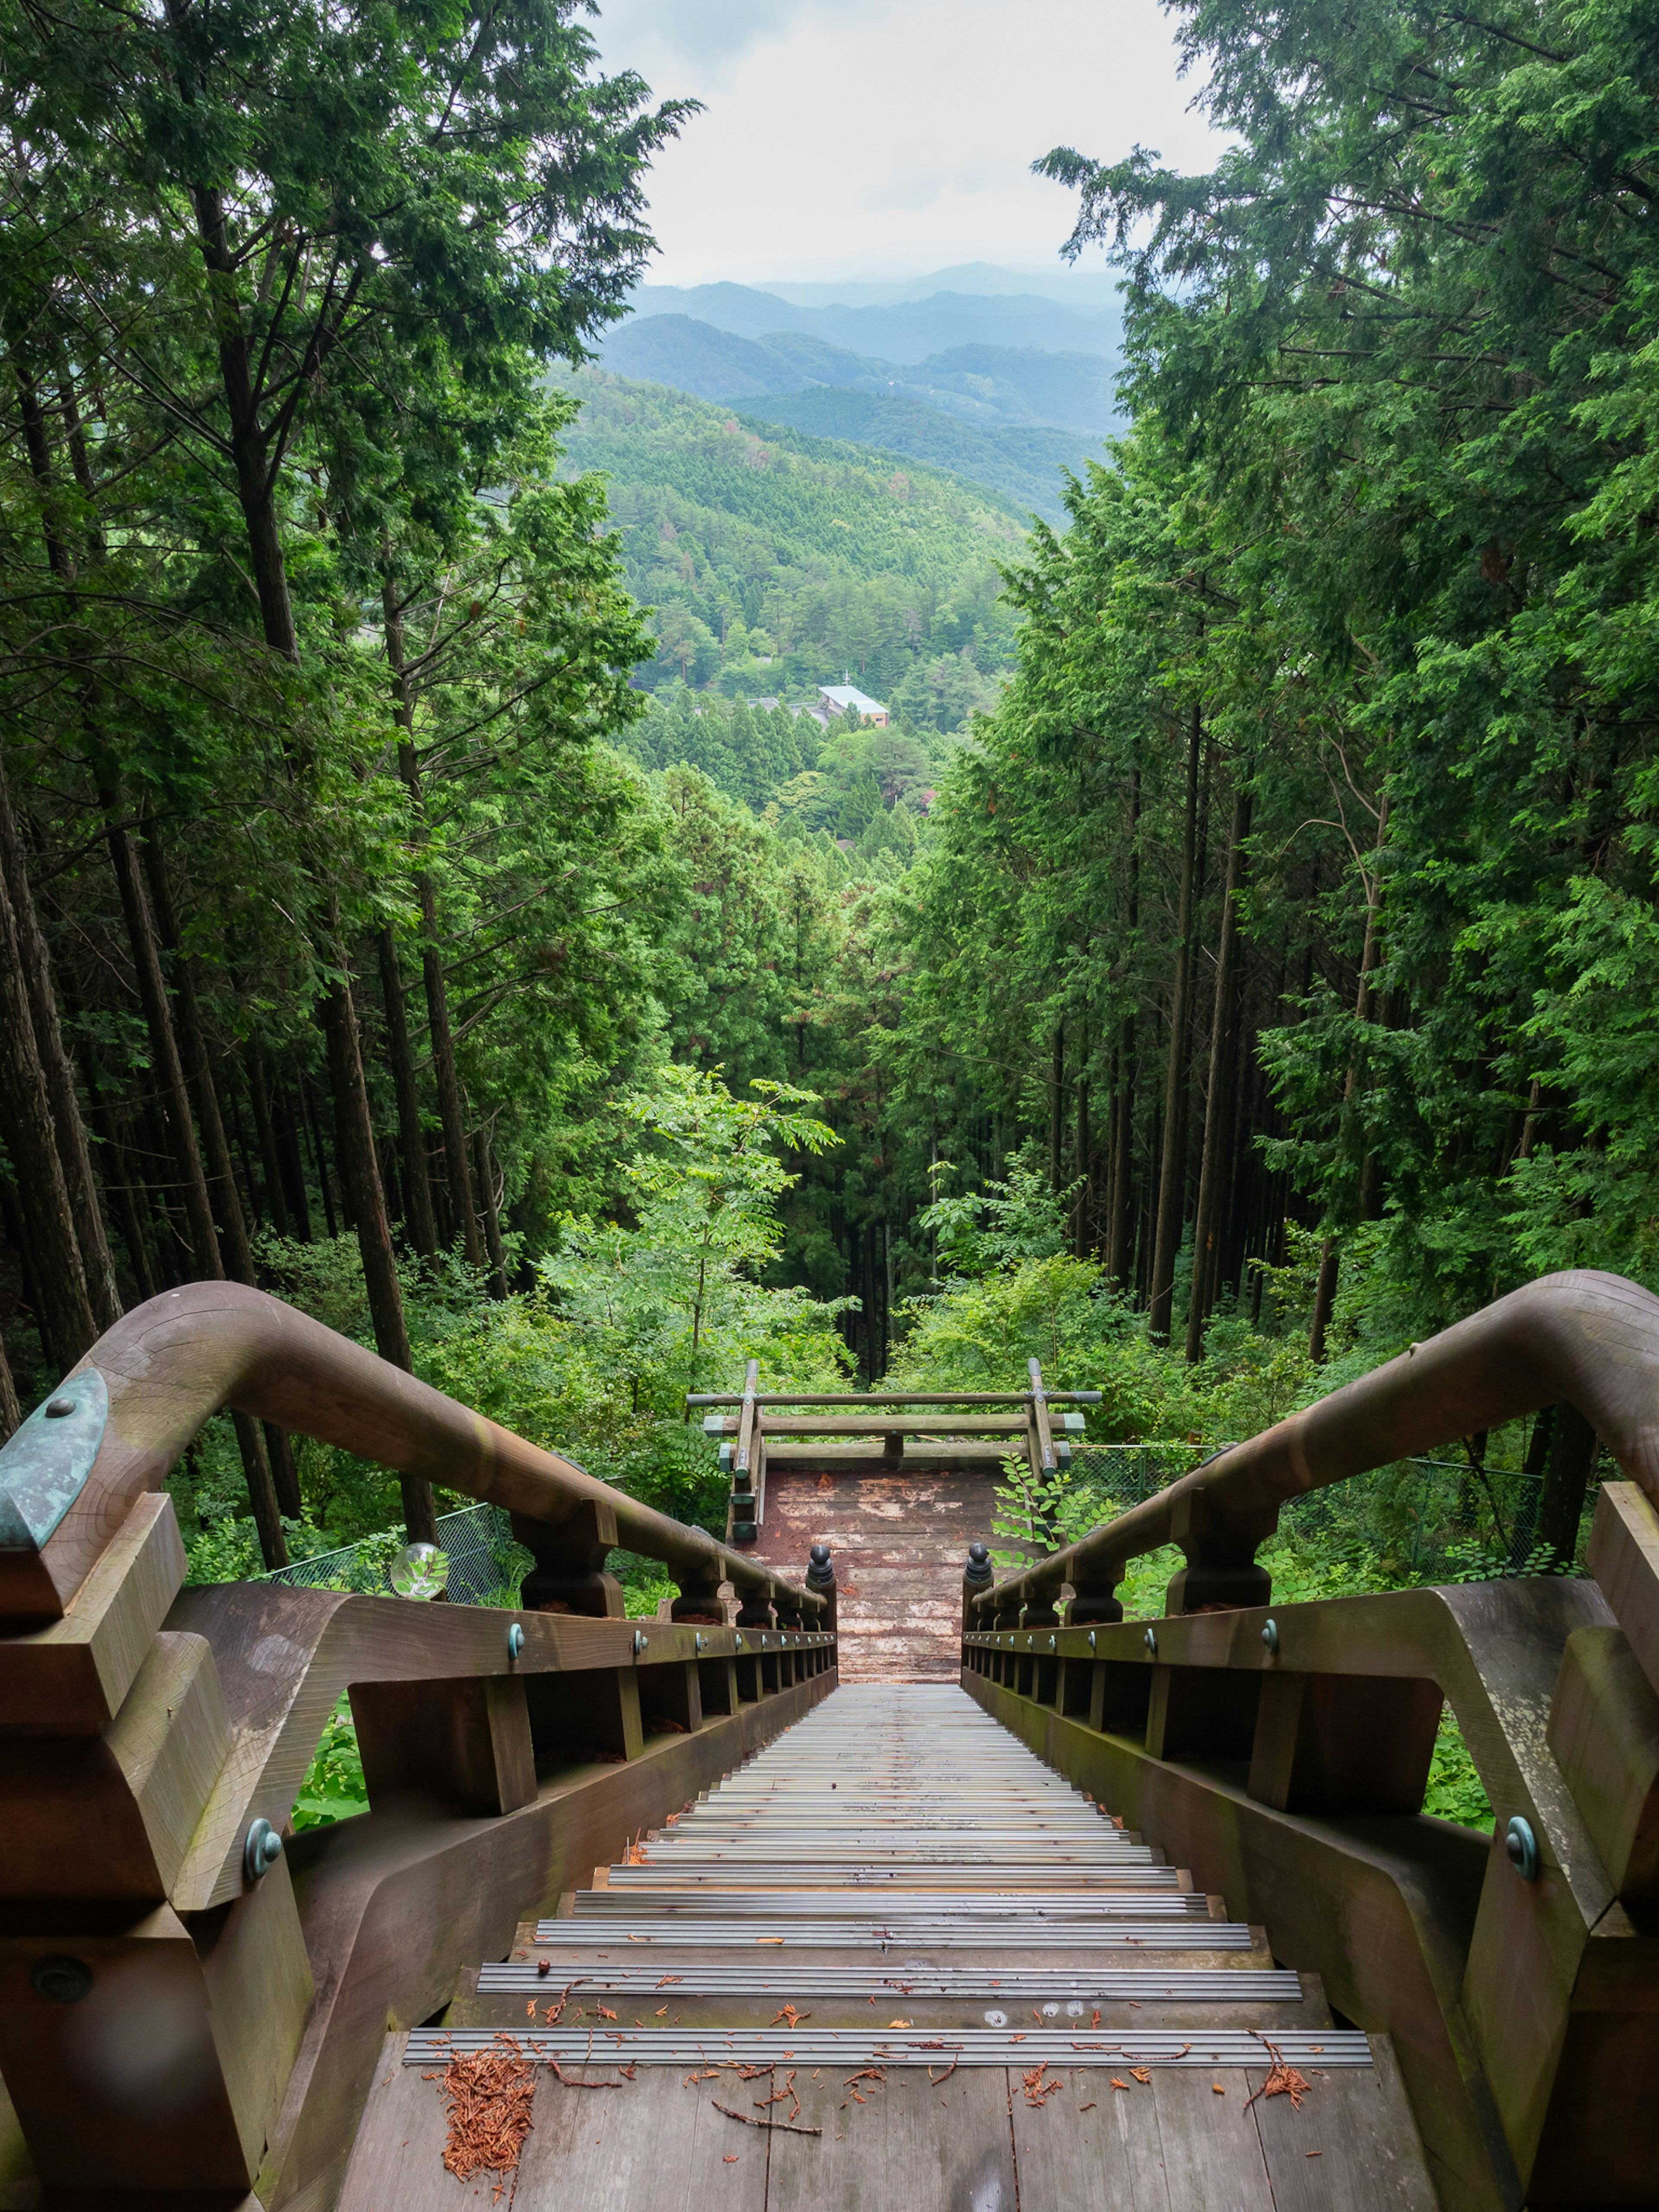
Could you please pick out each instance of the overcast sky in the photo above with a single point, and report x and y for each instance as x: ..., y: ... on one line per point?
x: 849, y: 138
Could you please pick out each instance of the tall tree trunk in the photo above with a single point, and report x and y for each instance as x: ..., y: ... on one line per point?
x: 286, y: 1127
x: 63, y: 1312
x: 250, y: 454
x: 168, y: 1069
x: 486, y: 1179
x: 118, y: 1182
x: 1083, y: 1227
x: 1218, y: 1105
x: 73, y: 1151
x: 1172, y: 1172
x: 451, y: 1118
x: 270, y: 1161
x: 223, y: 1194
x: 1057, y: 1109
x: 1561, y: 1504
x: 411, y: 1138
x: 360, y: 1175
x: 314, y: 1123
x: 1330, y: 1252
x: 1120, y: 1233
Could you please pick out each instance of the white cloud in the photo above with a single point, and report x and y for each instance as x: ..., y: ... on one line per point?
x: 894, y: 135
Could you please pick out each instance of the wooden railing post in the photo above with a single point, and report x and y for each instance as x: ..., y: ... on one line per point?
x: 821, y: 1580
x: 977, y: 1576
x: 569, y: 1576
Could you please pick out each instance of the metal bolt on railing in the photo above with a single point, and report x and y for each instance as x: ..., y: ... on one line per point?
x: 700, y: 1640
x: 1150, y: 1639
x: 261, y: 1849
x: 1092, y: 1639
x: 1053, y: 1644
x: 514, y: 1641
x: 1520, y: 1847
x: 1270, y: 1636
x: 641, y: 1640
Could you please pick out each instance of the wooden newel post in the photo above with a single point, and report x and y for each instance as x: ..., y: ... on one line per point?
x: 569, y: 1576
x: 821, y: 1581
x: 1095, y: 1602
x: 1221, y: 1565
x: 975, y: 1577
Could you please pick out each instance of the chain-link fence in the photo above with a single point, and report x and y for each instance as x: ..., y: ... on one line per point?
x: 1420, y: 1520
x: 485, y: 1562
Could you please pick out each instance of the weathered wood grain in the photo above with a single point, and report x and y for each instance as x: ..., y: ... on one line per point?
x: 1369, y: 2157
x: 944, y: 2148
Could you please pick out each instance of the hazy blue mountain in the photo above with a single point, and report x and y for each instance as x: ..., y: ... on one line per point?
x: 1023, y: 464
x: 1055, y: 280
x: 905, y: 332
x: 991, y: 386
x: 697, y: 358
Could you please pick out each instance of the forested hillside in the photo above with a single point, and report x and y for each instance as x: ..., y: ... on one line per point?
x: 774, y: 560
x: 1264, y: 978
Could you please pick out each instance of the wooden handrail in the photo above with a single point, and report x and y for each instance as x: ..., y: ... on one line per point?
x: 1581, y: 1338
x: 170, y: 1363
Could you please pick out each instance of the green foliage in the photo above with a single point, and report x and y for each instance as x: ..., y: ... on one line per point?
x: 730, y: 525
x: 1456, y: 1791
x: 334, y: 1789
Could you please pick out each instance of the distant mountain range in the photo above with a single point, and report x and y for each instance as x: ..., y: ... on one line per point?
x: 1002, y: 387
x: 904, y: 330
x: 991, y: 385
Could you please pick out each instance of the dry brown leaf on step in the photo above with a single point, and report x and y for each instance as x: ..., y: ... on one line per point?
x: 1095, y: 2023
x: 666, y: 1978
x: 1037, y: 2091
x: 1140, y: 2074
x: 789, y: 2016
x: 1217, y: 2089
x: 898, y: 2023
x: 529, y: 2009
x: 660, y: 2012
x: 1116, y: 2084
x: 731, y: 2159
x: 605, y: 2013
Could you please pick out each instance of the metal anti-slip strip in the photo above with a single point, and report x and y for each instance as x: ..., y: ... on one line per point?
x: 1198, y: 1985
x: 1007, y: 1907
x: 856, y: 2046
x: 702, y: 1934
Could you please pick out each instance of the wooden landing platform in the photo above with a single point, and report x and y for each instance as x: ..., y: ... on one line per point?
x: 969, y: 2144
x: 899, y: 1542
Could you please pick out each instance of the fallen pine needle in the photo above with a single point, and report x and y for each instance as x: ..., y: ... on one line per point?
x: 1088, y: 2107
x: 939, y: 2081
x: 490, y: 2094
x: 783, y: 2127
x: 1282, y: 2080
x: 1313, y: 2154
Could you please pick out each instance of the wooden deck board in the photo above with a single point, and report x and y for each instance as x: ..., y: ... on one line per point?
x: 948, y: 2148
x: 1369, y: 2156
x: 1087, y: 2136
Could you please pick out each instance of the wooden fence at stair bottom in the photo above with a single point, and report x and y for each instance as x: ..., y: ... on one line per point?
x: 1282, y: 1750
x: 840, y: 1435
x: 192, y: 2001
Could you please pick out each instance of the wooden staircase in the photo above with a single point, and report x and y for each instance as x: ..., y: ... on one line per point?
x: 919, y: 1967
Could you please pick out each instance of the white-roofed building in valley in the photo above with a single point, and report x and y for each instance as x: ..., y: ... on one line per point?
x: 838, y: 697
